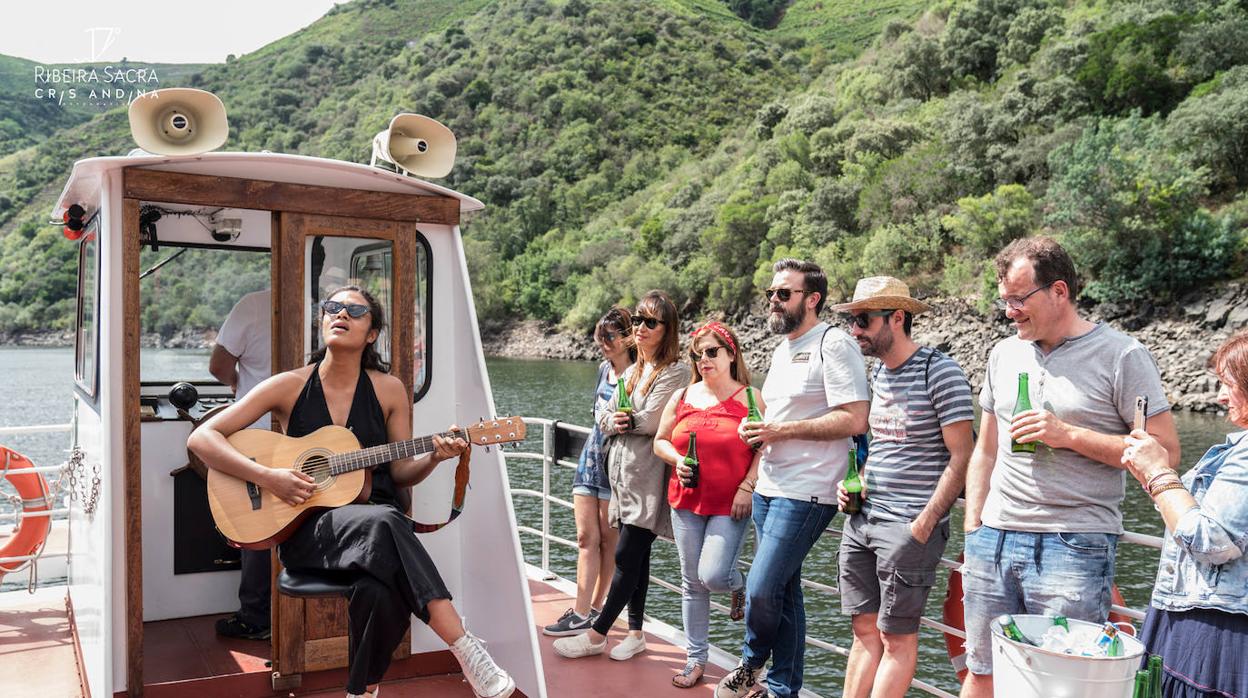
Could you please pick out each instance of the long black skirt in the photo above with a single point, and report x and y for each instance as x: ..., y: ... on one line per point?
x: 394, y: 578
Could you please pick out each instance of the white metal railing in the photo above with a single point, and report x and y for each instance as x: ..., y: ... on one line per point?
x: 548, y: 459
x: 37, y: 429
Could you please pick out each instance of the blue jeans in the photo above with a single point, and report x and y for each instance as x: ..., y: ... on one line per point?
x: 775, y: 617
x: 1069, y: 574
x: 709, y: 547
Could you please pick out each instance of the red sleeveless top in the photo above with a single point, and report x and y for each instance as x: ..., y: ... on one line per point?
x: 723, y: 460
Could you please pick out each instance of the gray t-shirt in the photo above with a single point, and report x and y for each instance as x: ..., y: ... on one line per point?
x: 910, y: 406
x: 1089, y: 381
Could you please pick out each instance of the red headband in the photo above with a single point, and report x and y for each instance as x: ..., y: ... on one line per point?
x: 719, y: 330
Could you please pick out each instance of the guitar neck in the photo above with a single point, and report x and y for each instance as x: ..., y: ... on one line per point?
x: 340, y: 463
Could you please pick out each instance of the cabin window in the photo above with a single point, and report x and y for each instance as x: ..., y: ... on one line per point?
x: 185, y: 295
x: 423, y: 318
x: 334, y: 262
x: 87, y: 325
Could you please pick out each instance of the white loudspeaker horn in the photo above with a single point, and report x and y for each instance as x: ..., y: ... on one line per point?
x: 178, y: 121
x: 416, y: 145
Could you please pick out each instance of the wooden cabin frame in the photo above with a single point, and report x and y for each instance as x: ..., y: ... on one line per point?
x: 300, y: 209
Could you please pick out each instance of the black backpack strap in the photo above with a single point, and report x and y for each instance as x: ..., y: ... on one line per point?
x: 927, y: 370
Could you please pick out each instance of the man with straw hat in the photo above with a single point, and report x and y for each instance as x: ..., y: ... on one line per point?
x: 921, y: 415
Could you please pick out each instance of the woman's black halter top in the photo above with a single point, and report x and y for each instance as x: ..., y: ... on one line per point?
x: 366, y: 420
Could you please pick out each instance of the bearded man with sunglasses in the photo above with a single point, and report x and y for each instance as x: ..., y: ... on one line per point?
x: 921, y: 439
x: 816, y: 397
x: 1043, y: 526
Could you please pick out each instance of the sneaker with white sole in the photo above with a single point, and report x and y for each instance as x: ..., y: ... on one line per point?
x: 631, y: 646
x: 578, y: 646
x: 740, y: 682
x: 570, y: 623
x: 487, y: 679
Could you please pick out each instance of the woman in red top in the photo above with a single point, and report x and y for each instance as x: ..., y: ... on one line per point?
x: 709, y: 519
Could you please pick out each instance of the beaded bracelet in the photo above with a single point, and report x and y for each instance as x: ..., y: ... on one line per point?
x: 1176, y: 485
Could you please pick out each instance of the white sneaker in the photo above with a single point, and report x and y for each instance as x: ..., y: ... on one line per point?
x: 485, y: 677
x: 630, y: 647
x: 578, y: 646
x: 365, y: 694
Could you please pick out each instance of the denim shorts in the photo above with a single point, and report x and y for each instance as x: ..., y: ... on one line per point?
x: 884, y: 570
x: 603, y: 493
x: 1069, y: 574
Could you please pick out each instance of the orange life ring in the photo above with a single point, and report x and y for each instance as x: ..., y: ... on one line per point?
x: 952, y: 615
x: 31, y: 532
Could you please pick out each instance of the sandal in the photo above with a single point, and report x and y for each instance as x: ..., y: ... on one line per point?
x: 690, y: 677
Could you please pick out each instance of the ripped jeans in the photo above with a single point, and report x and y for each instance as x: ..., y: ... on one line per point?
x: 1069, y: 574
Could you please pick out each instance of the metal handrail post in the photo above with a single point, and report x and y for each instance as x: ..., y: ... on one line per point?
x: 548, y: 459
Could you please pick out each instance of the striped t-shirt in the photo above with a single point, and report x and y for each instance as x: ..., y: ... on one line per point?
x: 909, y: 406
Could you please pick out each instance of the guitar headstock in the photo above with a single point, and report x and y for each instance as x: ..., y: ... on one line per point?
x: 500, y: 430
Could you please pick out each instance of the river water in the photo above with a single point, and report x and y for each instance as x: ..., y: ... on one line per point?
x: 36, y: 390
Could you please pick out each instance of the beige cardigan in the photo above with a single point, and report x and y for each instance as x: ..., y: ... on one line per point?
x: 638, y: 477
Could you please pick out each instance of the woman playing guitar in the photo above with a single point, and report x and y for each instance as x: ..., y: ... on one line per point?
x: 347, y: 384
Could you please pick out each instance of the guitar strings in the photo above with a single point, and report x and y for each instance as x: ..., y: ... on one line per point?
x: 356, y: 458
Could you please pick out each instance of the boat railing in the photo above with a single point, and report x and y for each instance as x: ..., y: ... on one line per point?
x: 557, y: 436
x: 18, y: 514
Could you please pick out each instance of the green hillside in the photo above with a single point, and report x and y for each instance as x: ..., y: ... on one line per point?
x: 686, y: 144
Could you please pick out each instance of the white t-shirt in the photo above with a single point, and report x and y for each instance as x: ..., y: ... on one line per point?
x: 247, y: 334
x: 807, y: 380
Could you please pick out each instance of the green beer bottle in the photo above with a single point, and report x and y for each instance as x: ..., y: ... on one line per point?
x: 752, y: 405
x: 1022, y: 404
x: 1011, y: 630
x: 1061, y: 620
x: 691, y: 461
x: 1141, y: 688
x: 853, y: 484
x: 1154, y: 676
x: 622, y: 403
x: 752, y: 415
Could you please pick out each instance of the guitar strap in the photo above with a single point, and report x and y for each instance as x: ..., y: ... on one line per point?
x: 457, y: 497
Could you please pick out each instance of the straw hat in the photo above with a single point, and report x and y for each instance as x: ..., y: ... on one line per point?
x: 882, y: 293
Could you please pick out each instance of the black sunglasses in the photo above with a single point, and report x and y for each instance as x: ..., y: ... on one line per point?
x: 707, y: 353
x: 863, y: 319
x: 353, y: 309
x: 612, y: 336
x: 784, y: 294
x: 650, y: 322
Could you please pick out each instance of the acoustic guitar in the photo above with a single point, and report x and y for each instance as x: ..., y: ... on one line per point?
x: 253, y: 518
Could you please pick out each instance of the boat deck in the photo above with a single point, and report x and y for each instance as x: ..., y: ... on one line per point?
x: 185, y: 659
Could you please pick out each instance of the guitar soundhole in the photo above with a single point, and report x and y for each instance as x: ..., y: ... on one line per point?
x: 317, y: 467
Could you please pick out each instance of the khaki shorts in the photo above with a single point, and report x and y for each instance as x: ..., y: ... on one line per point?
x: 884, y: 570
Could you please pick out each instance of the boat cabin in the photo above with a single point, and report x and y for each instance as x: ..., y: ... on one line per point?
x: 145, y: 560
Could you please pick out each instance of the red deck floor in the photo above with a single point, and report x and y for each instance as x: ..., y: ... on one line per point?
x: 185, y: 659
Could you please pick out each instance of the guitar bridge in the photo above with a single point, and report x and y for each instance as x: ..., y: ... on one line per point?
x: 253, y: 492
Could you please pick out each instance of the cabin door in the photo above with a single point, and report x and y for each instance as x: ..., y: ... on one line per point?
x: 312, y: 256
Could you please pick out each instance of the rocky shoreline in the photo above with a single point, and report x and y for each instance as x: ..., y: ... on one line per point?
x: 1181, y: 337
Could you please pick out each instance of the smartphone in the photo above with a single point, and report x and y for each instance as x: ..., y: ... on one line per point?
x: 1141, y: 412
